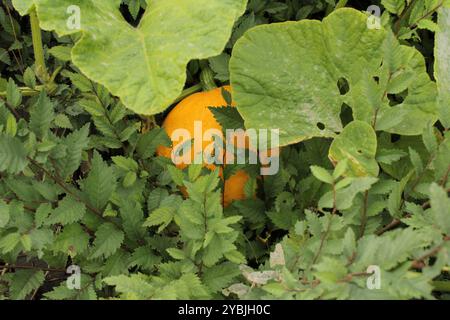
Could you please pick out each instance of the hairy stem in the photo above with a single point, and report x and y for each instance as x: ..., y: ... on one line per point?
x: 41, y: 70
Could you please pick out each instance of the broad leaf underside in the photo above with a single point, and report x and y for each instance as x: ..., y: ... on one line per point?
x: 286, y: 76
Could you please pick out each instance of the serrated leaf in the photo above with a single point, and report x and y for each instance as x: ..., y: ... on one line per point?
x: 395, y: 197
x: 228, y: 117
x: 72, y: 240
x: 176, y: 253
x: 440, y: 205
x: 151, y: 140
x: 13, y: 156
x: 143, y: 257
x: 161, y: 216
x: 158, y: 66
x: 155, y: 198
x: 29, y: 78
x: 4, y: 214
x: 24, y: 282
x: 416, y: 161
x: 9, y: 242
x: 389, y: 156
x: 134, y: 287
x: 63, y: 121
x: 68, y: 211
x: 75, y: 143
x: 100, y: 184
x: 41, y: 116
x: 107, y: 240
x: 4, y: 57
x: 357, y: 143
x: 220, y: 276
x: 125, y: 163
x: 62, y: 292
x: 176, y: 174
x: 429, y: 139
x: 11, y: 126
x: 13, y: 95
x: 219, y: 65
x: 345, y: 196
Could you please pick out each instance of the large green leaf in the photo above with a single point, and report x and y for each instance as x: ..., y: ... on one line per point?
x: 22, y: 6
x: 144, y: 66
x: 442, y: 65
x: 358, y: 144
x: 293, y: 75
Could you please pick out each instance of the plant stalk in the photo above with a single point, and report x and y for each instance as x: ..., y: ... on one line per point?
x: 207, y: 76
x: 187, y: 92
x: 41, y: 70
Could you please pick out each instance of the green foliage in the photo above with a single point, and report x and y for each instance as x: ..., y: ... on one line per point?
x: 341, y: 49
x: 164, y: 80
x: 364, y: 175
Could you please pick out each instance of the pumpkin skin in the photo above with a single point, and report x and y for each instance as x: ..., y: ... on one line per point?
x: 195, y: 108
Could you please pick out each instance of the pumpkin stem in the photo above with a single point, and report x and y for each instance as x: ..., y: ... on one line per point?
x: 41, y: 70
x: 207, y: 76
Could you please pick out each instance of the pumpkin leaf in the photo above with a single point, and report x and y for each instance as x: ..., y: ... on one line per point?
x: 23, y: 6
x: 144, y: 66
x: 442, y: 65
x: 296, y: 76
x: 358, y: 144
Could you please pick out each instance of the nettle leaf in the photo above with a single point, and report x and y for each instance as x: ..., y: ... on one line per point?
x: 345, y: 196
x: 41, y: 115
x: 69, y: 211
x: 4, y: 214
x: 75, y: 143
x: 108, y: 240
x: 358, y: 144
x: 144, y: 66
x: 13, y: 156
x: 100, y: 184
x: 440, y: 204
x: 133, y: 287
x: 63, y: 292
x: 73, y: 240
x: 296, y: 76
x: 220, y: 275
x: 23, y: 282
x: 23, y: 6
x: 442, y: 65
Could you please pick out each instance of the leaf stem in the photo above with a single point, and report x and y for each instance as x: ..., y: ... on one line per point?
x: 41, y: 70
x: 207, y: 76
x: 364, y: 215
x: 187, y: 92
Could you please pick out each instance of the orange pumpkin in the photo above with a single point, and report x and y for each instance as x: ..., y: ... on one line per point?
x: 183, y: 116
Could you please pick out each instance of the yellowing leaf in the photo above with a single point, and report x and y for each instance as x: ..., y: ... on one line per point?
x: 358, y: 144
x: 144, y: 66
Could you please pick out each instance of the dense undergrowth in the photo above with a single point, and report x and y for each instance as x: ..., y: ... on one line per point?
x: 359, y: 208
